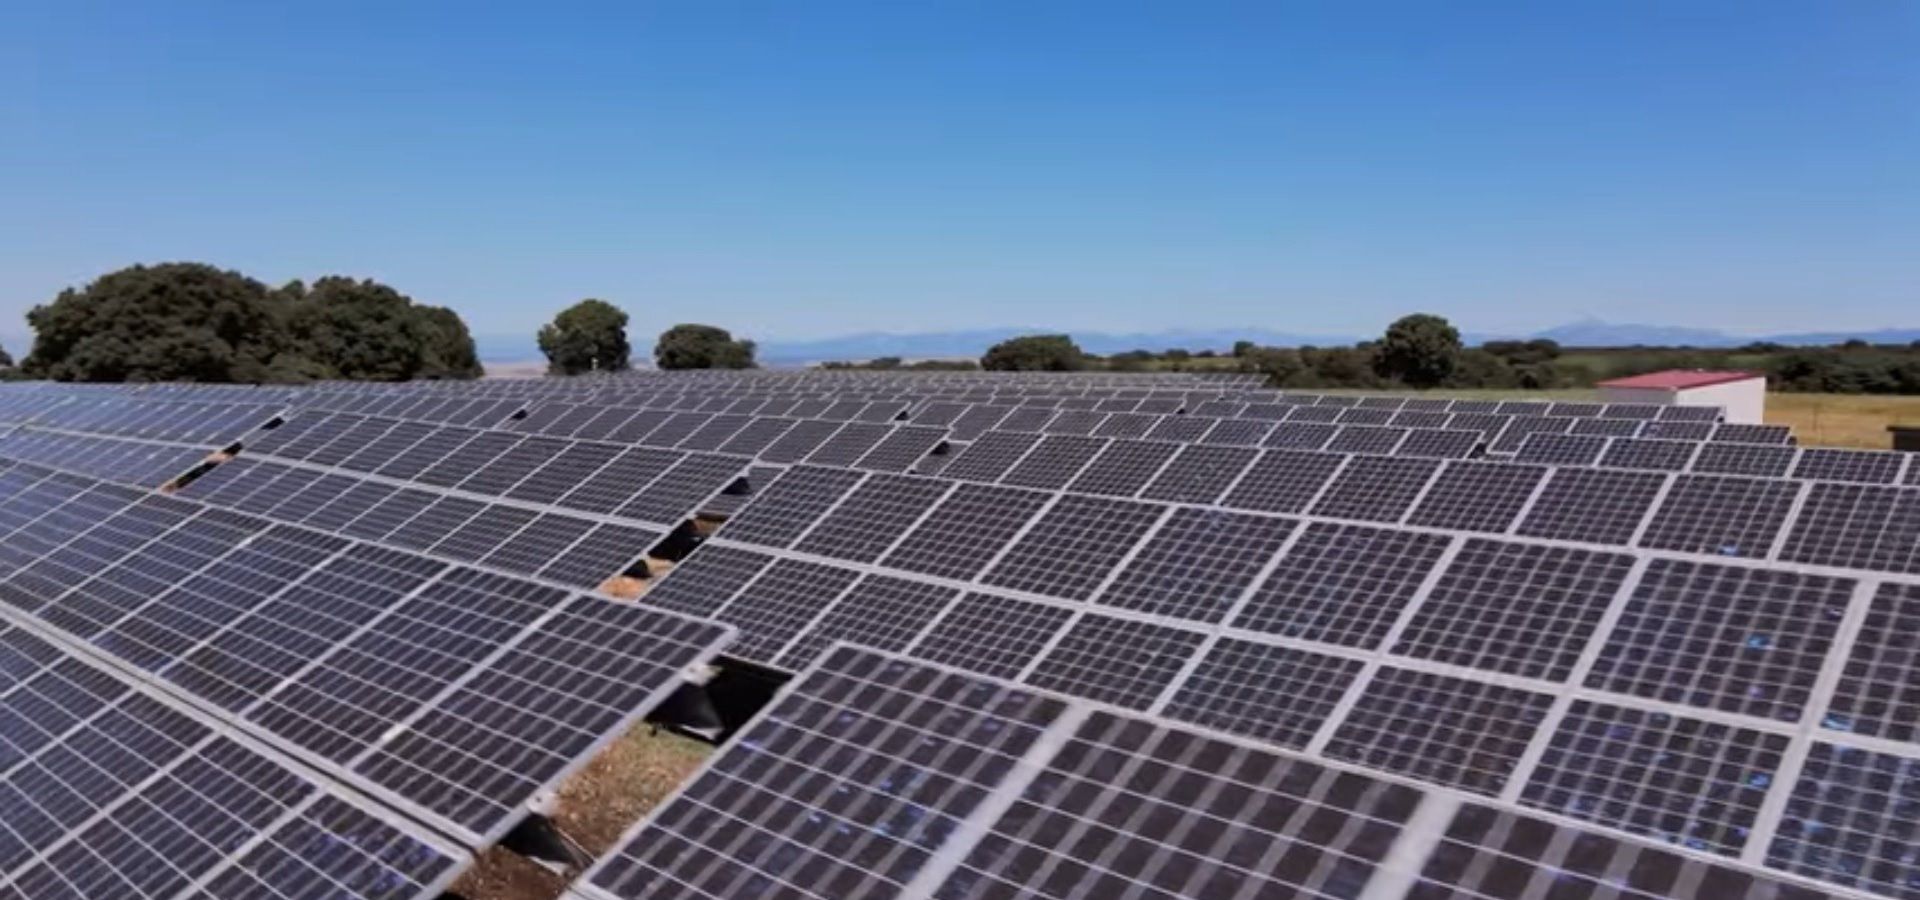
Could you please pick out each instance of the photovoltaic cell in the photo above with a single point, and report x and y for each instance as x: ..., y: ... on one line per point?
x: 1519, y: 609
x: 1074, y: 546
x: 1744, y: 459
x: 1879, y: 691
x: 903, y: 446
x: 965, y: 531
x: 1724, y: 516
x: 1054, y: 462
x: 1647, y: 772
x: 780, y: 604
x: 1199, y: 474
x: 1181, y: 429
x: 1601, y: 506
x: 1276, y: 694
x: 678, y: 492
x: 1651, y: 455
x: 1477, y: 496
x: 1123, y: 468
x: 1366, y: 439
x: 845, y: 787
x: 880, y: 612
x: 1439, y: 443
x: 1342, y: 584
x: 1283, y: 481
x: 1754, y: 639
x: 1301, y: 435
x: 847, y: 445
x: 1237, y: 432
x: 1490, y: 853
x: 871, y: 518
x: 1857, y: 526
x: 617, y: 481
x: 991, y: 634
x: 785, y: 509
x: 990, y: 457
x: 1467, y: 734
x: 1198, y: 564
x: 1857, y: 466
x: 605, y: 552
x: 1848, y: 820
x: 1119, y: 661
x: 705, y: 581
x: 1376, y: 488
x: 1132, y: 809
x: 1562, y: 449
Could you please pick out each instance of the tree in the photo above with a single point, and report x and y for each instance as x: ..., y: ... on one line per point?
x: 701, y: 347
x: 588, y: 336
x: 358, y: 330
x: 168, y: 322
x: 1244, y: 349
x: 447, y: 349
x: 1420, y: 350
x: 1034, y: 353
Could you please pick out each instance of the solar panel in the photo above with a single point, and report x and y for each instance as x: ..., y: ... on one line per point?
x: 1847, y: 819
x: 1606, y: 427
x: 965, y: 531
x: 991, y: 634
x: 1376, y: 488
x: 1199, y: 474
x: 1751, y: 434
x: 1595, y: 505
x: 780, y: 604
x: 1492, y: 853
x: 903, y: 446
x: 679, y: 491
x: 1878, y: 693
x: 603, y: 553
x: 1439, y: 443
x: 1561, y: 449
x: 844, y: 787
x: 1754, y: 638
x: 1366, y: 439
x: 785, y: 509
x: 1477, y: 496
x: 991, y: 456
x: 1342, y: 584
x: 1857, y: 526
x: 881, y: 612
x: 1181, y: 429
x: 1645, y: 772
x: 1237, y: 432
x: 1130, y: 808
x: 1054, y: 462
x: 871, y: 518
x: 801, y: 440
x: 1120, y: 661
x: 1441, y: 729
x: 707, y: 579
x: 1275, y: 694
x: 1724, y: 516
x: 1198, y: 564
x: 1677, y: 430
x: 1518, y: 609
x: 1744, y: 459
x: 1074, y: 546
x: 1652, y: 455
x: 1123, y: 468
x: 1858, y: 466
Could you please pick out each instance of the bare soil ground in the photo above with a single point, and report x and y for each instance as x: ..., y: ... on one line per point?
x: 595, y: 806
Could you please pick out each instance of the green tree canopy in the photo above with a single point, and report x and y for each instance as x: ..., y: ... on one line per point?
x: 1420, y: 350
x: 357, y: 330
x: 587, y: 336
x: 168, y: 322
x: 446, y: 345
x: 1034, y: 353
x: 701, y: 347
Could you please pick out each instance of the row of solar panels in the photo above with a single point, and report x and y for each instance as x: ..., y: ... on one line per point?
x: 1811, y: 463
x: 448, y: 695
x: 878, y: 777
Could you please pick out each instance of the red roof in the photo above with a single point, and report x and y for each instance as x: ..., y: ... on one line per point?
x: 1679, y: 379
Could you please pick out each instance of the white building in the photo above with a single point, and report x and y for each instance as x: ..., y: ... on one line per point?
x: 1742, y: 394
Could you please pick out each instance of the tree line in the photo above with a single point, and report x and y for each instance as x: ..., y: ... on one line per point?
x: 196, y: 322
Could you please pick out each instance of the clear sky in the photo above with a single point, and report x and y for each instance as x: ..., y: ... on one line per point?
x: 796, y: 170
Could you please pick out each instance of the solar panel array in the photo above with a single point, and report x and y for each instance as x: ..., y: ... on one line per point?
x: 1097, y: 637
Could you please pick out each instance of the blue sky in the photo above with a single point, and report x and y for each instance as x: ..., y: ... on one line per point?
x: 800, y: 170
